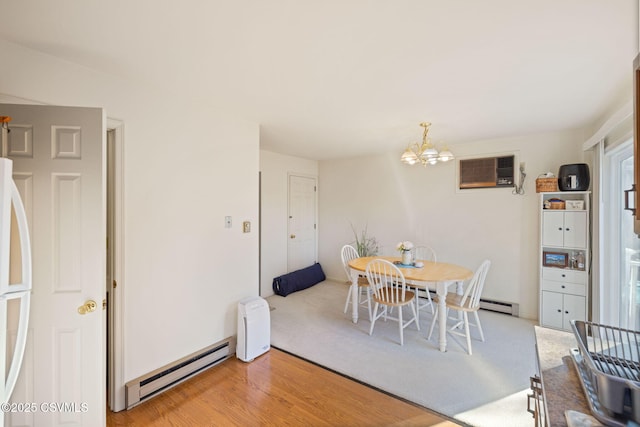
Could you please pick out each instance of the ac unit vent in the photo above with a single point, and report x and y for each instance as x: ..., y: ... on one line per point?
x: 487, y: 172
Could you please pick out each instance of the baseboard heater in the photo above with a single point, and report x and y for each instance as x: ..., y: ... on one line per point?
x: 509, y: 308
x: 153, y: 383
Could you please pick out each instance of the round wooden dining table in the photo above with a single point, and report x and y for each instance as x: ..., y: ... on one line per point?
x: 441, y: 273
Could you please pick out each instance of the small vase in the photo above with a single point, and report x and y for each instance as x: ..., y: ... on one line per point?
x: 406, y: 257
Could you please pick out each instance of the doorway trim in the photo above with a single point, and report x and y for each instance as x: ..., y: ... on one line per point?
x: 291, y: 175
x: 613, y: 263
x: 115, y: 337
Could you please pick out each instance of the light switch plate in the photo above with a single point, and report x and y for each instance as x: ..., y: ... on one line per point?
x: 227, y: 222
x: 246, y: 227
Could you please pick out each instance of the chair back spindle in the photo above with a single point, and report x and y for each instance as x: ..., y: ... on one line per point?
x: 348, y: 253
x: 474, y: 289
x: 388, y: 281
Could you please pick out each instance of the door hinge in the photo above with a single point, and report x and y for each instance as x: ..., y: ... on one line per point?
x: 104, y: 304
x: 115, y: 284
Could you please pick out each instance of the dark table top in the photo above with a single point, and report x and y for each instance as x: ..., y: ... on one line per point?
x: 560, y: 382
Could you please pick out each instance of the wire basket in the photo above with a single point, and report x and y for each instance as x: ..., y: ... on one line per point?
x: 611, y: 358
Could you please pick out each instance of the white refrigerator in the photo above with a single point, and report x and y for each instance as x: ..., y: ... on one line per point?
x: 15, y: 278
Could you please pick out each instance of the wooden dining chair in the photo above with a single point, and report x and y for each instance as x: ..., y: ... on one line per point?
x: 468, y: 302
x: 389, y: 289
x: 423, y: 253
x: 348, y: 253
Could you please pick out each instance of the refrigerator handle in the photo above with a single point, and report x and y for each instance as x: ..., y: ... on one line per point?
x: 25, y: 240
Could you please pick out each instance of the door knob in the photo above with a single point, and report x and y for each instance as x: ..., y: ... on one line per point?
x: 87, y: 307
x: 293, y: 236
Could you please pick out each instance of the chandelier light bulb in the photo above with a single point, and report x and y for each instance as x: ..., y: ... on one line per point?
x: 425, y: 153
x: 409, y: 157
x: 445, y: 155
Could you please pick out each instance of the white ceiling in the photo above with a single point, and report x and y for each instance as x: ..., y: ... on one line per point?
x: 334, y: 78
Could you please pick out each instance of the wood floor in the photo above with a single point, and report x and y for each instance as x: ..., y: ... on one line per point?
x: 276, y: 389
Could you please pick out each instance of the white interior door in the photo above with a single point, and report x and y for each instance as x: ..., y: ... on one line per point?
x: 58, y: 156
x: 301, y: 250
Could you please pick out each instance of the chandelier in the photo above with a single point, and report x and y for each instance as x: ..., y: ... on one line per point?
x: 425, y: 153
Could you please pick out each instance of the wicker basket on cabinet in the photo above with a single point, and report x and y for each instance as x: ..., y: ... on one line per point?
x: 544, y: 185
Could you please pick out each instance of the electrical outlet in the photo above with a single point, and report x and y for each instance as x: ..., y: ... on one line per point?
x: 246, y: 227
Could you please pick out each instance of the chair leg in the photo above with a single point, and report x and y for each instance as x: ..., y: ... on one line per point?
x: 430, y: 300
x: 375, y: 316
x: 401, y: 325
x: 368, y: 295
x: 433, y: 323
x: 466, y: 331
x: 479, y: 326
x: 364, y: 289
x: 346, y: 304
x: 415, y: 316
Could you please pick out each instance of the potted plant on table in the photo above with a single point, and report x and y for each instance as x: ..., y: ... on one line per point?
x: 365, y: 245
x: 405, y: 252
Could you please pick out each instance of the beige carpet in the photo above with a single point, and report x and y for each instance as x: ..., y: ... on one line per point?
x: 487, y: 388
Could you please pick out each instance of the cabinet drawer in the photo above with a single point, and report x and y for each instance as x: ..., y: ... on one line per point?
x: 564, y: 275
x: 564, y: 287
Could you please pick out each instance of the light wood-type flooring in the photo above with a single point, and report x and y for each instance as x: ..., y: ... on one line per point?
x: 276, y: 389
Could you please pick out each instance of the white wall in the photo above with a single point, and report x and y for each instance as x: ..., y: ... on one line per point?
x: 398, y: 202
x: 185, y: 168
x: 275, y: 169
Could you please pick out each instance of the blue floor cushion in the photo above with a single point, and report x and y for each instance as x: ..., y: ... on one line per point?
x: 298, y: 280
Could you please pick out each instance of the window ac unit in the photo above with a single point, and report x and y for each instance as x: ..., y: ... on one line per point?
x: 487, y: 172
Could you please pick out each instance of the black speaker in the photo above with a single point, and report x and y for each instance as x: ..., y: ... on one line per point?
x: 574, y: 177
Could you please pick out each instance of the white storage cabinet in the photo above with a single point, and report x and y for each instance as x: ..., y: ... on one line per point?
x: 564, y: 229
x: 564, y: 260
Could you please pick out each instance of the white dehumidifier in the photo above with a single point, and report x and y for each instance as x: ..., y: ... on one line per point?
x: 254, y: 328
